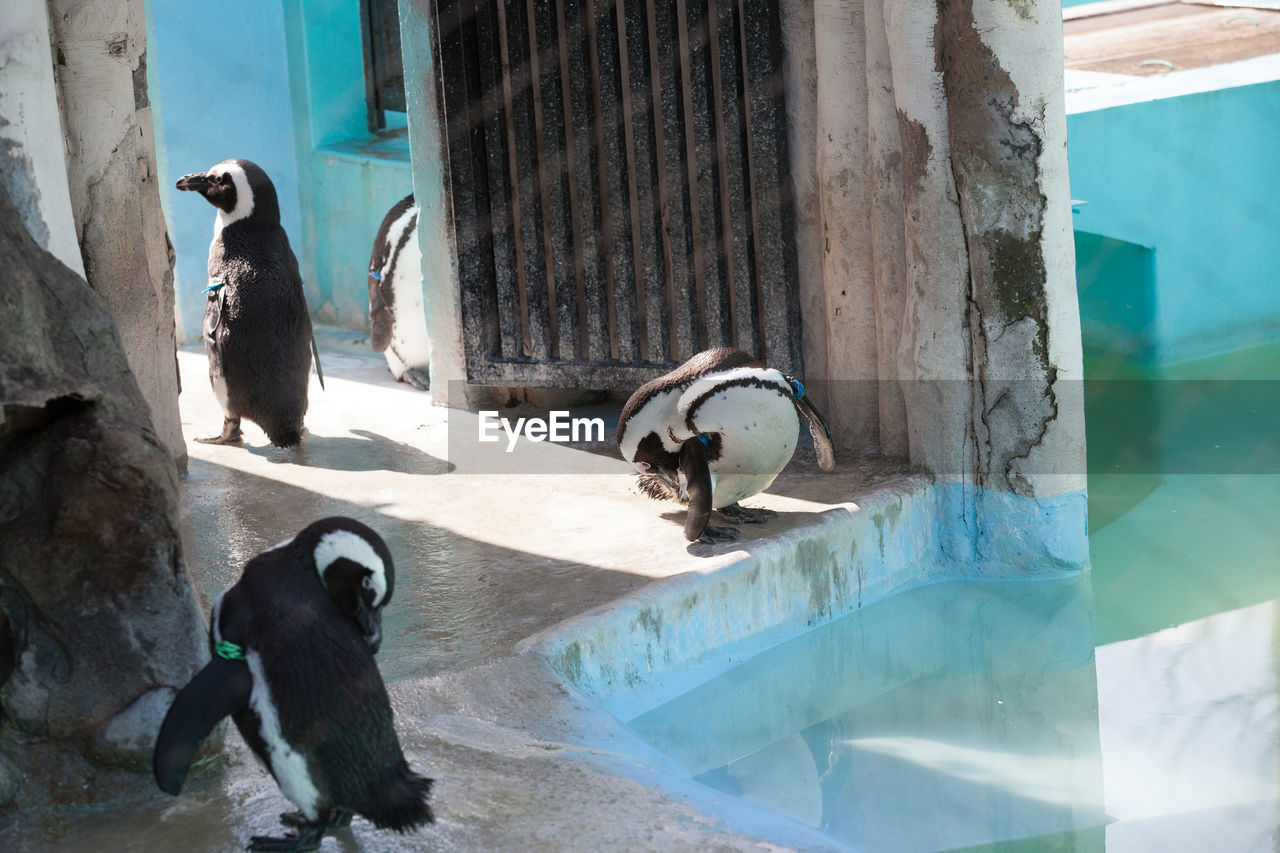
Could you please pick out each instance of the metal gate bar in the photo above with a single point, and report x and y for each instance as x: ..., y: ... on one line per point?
x: 619, y: 186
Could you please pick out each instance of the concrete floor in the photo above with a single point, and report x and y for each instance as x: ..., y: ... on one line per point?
x: 489, y: 551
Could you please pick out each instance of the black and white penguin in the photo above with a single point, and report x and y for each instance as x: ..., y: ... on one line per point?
x: 714, y: 431
x: 396, y: 312
x: 257, y: 331
x: 293, y: 664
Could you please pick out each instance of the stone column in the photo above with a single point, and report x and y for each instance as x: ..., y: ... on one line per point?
x: 99, y: 49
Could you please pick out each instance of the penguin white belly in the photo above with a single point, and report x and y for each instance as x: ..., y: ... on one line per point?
x: 409, y: 346
x: 758, y: 429
x: 287, y: 765
x: 219, y: 383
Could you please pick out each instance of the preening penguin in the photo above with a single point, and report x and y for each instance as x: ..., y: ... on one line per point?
x: 294, y: 642
x: 714, y: 431
x: 257, y: 331
x: 396, y: 313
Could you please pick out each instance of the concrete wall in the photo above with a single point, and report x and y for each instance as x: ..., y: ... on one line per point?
x: 33, y: 171
x: 1183, y: 167
x: 347, y: 178
x: 941, y: 324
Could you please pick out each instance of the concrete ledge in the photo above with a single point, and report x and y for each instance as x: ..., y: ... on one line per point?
x: 631, y: 655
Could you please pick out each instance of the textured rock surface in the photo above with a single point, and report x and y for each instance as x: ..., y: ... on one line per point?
x: 96, y: 610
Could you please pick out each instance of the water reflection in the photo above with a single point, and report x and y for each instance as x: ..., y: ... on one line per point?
x: 1188, y: 719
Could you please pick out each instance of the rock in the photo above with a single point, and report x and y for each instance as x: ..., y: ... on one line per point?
x: 96, y: 608
x: 128, y: 739
x: 10, y: 780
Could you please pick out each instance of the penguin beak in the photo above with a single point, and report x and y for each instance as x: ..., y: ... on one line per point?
x: 369, y: 621
x: 197, y: 181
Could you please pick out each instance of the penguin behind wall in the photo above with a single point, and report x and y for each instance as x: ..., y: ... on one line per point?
x: 396, y: 313
x: 714, y: 431
x: 294, y: 642
x: 257, y: 332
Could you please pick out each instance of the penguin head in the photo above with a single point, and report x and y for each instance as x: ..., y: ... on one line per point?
x: 355, y: 567
x: 239, y: 189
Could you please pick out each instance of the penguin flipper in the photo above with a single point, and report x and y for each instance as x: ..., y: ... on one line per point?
x: 697, y: 476
x: 821, y: 435
x: 220, y: 689
x: 315, y: 354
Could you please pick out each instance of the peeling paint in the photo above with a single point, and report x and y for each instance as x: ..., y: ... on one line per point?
x: 916, y: 151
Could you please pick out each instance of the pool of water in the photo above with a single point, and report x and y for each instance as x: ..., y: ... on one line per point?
x: 1135, y: 708
x: 952, y: 714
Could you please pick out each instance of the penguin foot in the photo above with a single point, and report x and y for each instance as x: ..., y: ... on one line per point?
x: 416, y: 379
x: 307, y: 838
x: 337, y: 819
x: 746, y: 514
x: 230, y: 433
x: 713, y: 535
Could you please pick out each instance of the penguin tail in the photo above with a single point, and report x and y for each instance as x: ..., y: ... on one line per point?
x: 400, y: 802
x: 655, y: 488
x: 286, y: 438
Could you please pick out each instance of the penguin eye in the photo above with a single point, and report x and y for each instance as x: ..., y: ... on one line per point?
x: 367, y: 582
x: 644, y: 467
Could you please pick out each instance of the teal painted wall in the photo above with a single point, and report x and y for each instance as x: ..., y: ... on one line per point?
x: 1191, y: 181
x: 282, y: 84
x: 347, y: 178
x: 219, y: 89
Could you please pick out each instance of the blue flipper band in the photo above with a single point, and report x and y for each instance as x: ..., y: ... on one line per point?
x: 798, y: 387
x: 228, y: 651
x: 702, y: 438
x: 214, y: 284
x: 375, y: 275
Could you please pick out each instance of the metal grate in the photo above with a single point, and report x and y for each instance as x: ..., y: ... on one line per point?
x: 619, y: 183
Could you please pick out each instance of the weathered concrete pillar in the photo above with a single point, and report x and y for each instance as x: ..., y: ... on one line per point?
x: 845, y: 193
x: 99, y: 51
x: 99, y: 624
x: 441, y: 290
x: 948, y: 267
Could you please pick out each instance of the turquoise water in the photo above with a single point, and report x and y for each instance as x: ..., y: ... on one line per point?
x: 948, y: 715
x: 1136, y: 708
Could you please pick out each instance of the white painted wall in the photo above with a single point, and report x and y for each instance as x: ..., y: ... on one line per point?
x: 32, y: 165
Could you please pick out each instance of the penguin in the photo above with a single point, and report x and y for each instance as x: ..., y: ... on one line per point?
x: 257, y: 331
x: 293, y: 665
x: 714, y: 431
x: 396, y: 313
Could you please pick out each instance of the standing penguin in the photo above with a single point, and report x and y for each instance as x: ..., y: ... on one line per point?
x: 257, y: 331
x: 714, y: 431
x: 293, y: 665
x: 396, y: 313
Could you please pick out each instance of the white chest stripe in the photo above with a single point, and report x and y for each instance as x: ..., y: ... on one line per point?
x: 289, y: 767
x: 395, y: 232
x: 343, y: 543
x: 244, y: 198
